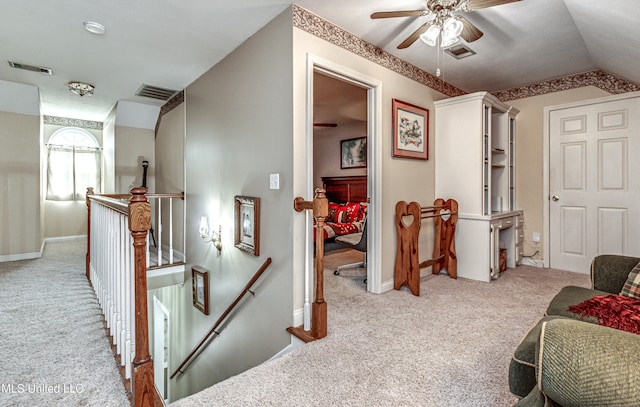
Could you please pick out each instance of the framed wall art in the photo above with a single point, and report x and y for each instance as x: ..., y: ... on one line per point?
x: 200, y: 286
x: 410, y: 130
x: 353, y: 153
x: 247, y: 224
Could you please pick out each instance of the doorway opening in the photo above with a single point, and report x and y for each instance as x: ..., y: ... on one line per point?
x: 351, y: 119
x: 340, y: 167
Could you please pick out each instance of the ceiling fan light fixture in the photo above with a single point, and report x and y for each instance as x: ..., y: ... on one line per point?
x: 430, y: 37
x: 448, y: 41
x: 81, y: 88
x: 451, y: 30
x: 452, y: 27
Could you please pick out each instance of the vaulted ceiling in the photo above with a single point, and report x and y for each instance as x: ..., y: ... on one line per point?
x: 170, y: 43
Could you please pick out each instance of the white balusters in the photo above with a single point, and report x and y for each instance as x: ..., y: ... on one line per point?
x: 112, y: 276
x: 164, y: 253
x: 170, y: 231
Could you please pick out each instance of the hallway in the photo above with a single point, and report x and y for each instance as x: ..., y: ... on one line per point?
x: 54, y: 349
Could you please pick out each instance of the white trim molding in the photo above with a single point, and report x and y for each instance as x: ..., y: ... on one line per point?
x: 374, y: 180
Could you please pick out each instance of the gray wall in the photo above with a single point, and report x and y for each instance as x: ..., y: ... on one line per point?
x: 238, y: 131
x: 169, y: 170
x: 19, y: 186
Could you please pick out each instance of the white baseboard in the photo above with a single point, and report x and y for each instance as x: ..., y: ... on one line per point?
x: 386, y: 286
x: 527, y: 261
x: 177, y: 256
x: 20, y: 256
x: 64, y: 239
x: 295, y: 343
x: 298, y: 317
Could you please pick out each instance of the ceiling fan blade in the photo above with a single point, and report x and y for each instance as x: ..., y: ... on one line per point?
x: 390, y: 14
x: 478, y: 4
x: 416, y: 34
x: 470, y: 32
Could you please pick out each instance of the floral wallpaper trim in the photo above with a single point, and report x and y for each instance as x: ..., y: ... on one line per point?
x: 169, y: 105
x: 172, y: 103
x: 67, y: 122
x: 322, y: 28
x: 597, y: 78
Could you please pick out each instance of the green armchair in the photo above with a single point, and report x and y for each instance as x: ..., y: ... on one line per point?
x: 568, y: 361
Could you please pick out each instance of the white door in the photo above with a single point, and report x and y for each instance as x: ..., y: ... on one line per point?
x: 594, y: 182
x: 161, y: 330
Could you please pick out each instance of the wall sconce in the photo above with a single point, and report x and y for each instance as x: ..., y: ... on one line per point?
x: 215, y: 238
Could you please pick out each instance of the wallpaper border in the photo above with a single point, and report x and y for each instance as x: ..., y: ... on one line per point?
x: 321, y: 28
x: 68, y: 122
x: 597, y: 78
x: 326, y: 30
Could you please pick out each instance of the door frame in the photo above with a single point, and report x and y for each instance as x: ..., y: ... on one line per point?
x: 160, y: 308
x: 374, y: 160
x: 546, y: 181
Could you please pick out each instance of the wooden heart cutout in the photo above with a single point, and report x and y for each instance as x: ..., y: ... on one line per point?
x: 445, y: 214
x: 408, y: 214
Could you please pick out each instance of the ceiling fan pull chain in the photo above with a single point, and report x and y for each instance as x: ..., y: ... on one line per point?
x: 442, y: 61
x: 438, y: 59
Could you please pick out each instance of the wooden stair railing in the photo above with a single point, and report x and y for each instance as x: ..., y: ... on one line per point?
x: 320, y: 208
x: 196, y: 350
x: 158, y: 261
x: 138, y: 215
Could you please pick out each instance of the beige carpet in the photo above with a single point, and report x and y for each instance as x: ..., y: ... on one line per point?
x: 449, y: 347
x: 54, y: 350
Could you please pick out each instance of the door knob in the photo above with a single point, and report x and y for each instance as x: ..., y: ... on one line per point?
x: 555, y: 198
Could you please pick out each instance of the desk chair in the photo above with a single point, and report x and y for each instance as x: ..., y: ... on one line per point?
x: 356, y: 241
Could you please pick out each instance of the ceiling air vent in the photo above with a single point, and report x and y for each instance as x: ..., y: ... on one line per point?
x: 40, y: 69
x: 460, y: 51
x: 155, y: 92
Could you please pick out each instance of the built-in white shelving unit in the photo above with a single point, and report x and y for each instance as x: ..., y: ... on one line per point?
x: 475, y: 165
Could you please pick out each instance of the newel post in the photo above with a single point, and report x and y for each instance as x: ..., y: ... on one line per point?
x: 319, y: 307
x: 139, y: 224
x: 88, y: 259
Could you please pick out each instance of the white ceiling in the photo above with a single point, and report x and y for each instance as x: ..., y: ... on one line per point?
x: 170, y: 43
x: 524, y: 42
x: 164, y: 43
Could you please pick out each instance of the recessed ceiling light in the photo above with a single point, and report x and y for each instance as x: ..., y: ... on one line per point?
x: 94, y: 27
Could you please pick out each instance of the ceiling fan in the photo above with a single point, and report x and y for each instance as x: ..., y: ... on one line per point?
x: 444, y: 23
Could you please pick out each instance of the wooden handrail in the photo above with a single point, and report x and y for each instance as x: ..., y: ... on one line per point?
x: 149, y: 195
x: 224, y: 315
x: 110, y: 202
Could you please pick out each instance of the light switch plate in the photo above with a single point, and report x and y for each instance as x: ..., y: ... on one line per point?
x: 274, y: 181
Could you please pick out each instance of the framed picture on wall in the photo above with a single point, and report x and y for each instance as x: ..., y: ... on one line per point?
x: 353, y: 153
x: 410, y: 130
x: 247, y: 224
x: 200, y: 287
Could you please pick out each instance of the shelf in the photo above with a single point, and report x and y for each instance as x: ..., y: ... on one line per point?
x: 497, y: 151
x: 498, y: 166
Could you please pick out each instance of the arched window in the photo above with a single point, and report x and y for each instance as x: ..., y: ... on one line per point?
x: 73, y: 164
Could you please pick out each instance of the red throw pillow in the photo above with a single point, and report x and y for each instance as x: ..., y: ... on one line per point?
x: 333, y: 213
x: 348, y: 213
x: 614, y: 311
